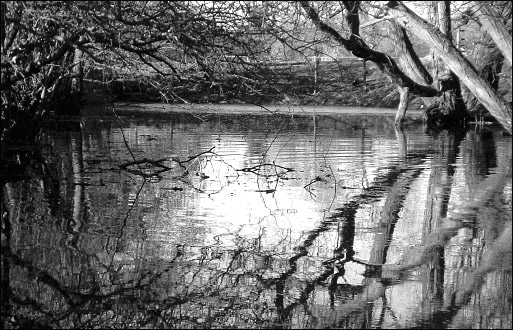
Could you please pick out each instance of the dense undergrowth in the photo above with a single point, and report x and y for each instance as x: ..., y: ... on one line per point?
x: 335, y: 84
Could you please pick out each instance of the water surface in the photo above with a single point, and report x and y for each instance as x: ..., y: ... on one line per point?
x: 258, y: 221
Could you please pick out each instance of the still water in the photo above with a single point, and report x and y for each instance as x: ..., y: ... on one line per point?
x: 258, y: 221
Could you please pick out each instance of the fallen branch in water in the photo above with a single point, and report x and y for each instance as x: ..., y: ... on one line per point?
x: 308, y: 185
x: 316, y: 179
x: 157, y: 166
x: 255, y: 170
x: 191, y: 158
x: 139, y: 171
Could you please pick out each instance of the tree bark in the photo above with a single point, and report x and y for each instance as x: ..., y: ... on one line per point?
x: 443, y: 10
x: 407, y: 58
x: 488, y: 60
x: 451, y: 100
x: 408, y: 61
x: 78, y: 72
x: 496, y: 105
x: 402, y: 107
x: 360, y: 49
x: 496, y: 29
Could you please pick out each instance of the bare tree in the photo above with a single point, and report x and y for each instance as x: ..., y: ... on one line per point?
x: 47, y: 45
x: 181, y: 47
x: 409, y: 75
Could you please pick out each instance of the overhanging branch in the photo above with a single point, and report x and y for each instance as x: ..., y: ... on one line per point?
x: 358, y: 47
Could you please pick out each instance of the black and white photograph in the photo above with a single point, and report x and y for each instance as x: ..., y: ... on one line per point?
x: 256, y: 165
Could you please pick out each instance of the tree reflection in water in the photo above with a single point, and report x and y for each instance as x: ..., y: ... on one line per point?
x: 86, y: 243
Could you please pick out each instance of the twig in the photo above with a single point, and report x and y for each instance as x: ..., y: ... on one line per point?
x: 335, y: 187
x: 316, y: 179
x: 122, y: 133
x: 257, y: 167
x: 158, y: 163
x: 193, y: 157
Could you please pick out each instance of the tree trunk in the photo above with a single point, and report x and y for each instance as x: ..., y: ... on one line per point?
x: 360, y: 49
x: 78, y: 71
x: 489, y: 62
x: 408, y: 61
x: 407, y: 58
x: 76, y: 82
x: 451, y: 104
x: 496, y: 105
x: 402, y: 107
x: 492, y: 23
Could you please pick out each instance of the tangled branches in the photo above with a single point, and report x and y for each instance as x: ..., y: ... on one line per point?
x: 149, y: 168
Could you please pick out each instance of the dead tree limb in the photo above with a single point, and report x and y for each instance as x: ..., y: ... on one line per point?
x: 158, y: 166
x: 255, y: 170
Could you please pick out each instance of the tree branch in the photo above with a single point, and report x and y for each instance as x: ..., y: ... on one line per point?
x: 358, y: 47
x: 498, y: 32
x: 455, y: 61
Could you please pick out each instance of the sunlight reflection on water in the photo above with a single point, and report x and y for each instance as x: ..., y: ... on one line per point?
x: 277, y: 220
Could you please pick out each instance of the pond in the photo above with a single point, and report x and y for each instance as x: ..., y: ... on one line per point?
x: 215, y: 220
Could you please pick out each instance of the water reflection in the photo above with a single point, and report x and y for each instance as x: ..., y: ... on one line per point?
x: 258, y: 221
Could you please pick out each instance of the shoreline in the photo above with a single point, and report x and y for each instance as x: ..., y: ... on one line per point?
x: 305, y: 110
